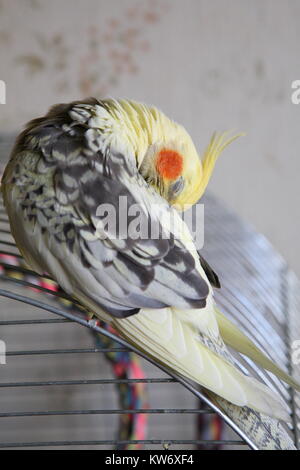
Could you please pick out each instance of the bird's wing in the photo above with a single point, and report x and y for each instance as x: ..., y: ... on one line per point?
x: 71, y: 178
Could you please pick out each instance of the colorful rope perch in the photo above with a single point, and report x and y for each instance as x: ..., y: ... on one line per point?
x: 126, y: 365
x: 209, y: 427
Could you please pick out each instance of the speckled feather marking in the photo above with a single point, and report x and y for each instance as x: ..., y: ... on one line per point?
x: 63, y: 172
x: 265, y: 432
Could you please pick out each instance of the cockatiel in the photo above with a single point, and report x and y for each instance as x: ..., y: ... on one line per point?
x: 156, y: 291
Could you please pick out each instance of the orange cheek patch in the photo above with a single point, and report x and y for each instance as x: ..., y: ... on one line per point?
x: 169, y: 164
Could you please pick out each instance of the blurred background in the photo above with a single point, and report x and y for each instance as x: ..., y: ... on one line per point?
x: 212, y: 66
x: 209, y: 64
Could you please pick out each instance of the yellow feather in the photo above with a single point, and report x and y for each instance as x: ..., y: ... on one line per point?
x: 215, y: 147
x: 235, y: 338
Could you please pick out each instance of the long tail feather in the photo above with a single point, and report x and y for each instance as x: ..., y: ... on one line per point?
x: 174, y: 343
x: 179, y: 345
x: 234, y: 338
x: 265, y: 433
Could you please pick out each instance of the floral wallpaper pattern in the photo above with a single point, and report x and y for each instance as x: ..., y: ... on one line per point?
x: 107, y: 53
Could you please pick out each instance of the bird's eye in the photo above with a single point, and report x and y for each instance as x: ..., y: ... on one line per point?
x: 176, y: 187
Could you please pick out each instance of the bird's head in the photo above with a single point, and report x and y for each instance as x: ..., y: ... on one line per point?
x: 172, y: 166
x: 165, y: 154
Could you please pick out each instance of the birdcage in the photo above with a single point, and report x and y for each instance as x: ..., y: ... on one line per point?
x: 70, y: 382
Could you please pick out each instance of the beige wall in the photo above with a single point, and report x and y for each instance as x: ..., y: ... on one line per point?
x: 210, y: 64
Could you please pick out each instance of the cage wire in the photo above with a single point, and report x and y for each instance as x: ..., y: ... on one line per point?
x: 120, y: 398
